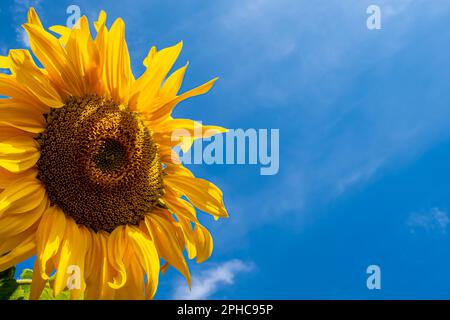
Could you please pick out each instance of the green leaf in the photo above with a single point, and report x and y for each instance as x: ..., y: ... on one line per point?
x: 12, y: 289
x: 26, y: 274
x: 8, y: 273
x: 7, y: 288
x: 22, y: 292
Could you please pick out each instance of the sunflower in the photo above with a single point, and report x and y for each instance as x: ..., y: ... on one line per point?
x: 88, y: 173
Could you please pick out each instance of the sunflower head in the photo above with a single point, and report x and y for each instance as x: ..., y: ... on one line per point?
x: 99, y: 163
x: 87, y: 172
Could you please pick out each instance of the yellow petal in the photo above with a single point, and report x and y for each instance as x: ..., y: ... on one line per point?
x: 177, y: 169
x: 173, y: 83
x: 11, y: 87
x: 166, y: 236
x: 151, y: 54
x: 4, y: 62
x: 183, y: 132
x: 165, y: 267
x: 18, y: 153
x: 84, y: 55
x: 100, y: 21
x: 159, y: 112
x: 72, y: 253
x: 97, y: 284
x: 13, y: 224
x: 49, y: 237
x: 33, y: 18
x: 79, y: 260
x: 7, y: 178
x: 117, y: 244
x: 17, y: 145
x: 189, y: 237
x: 63, y: 31
x: 22, y: 196
x: 199, y: 242
x: 147, y: 255
x: 149, y: 84
x: 23, y: 251
x: 201, y: 193
x: 37, y: 282
x: 134, y: 287
x: 179, y: 206
x: 22, y: 117
x: 29, y: 75
x: 54, y: 59
x: 10, y: 243
x: 203, y: 242
x: 118, y: 70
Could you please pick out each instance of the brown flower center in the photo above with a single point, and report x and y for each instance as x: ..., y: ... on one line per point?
x: 99, y: 163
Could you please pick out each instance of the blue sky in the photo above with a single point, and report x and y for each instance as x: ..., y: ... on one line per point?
x: 364, y: 118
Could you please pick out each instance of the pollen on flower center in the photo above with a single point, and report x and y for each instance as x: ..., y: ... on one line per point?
x: 111, y: 156
x: 99, y: 163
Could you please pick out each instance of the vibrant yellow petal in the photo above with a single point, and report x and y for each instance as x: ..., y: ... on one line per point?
x: 72, y: 253
x: 134, y: 287
x: 177, y: 169
x: 63, y: 31
x: 100, y: 271
x: 118, y: 74
x: 151, y: 54
x: 17, y: 145
x: 189, y: 237
x: 101, y: 21
x: 183, y: 132
x: 8, y: 244
x: 33, y: 18
x: 168, y: 238
x: 161, y: 110
x: 79, y: 260
x: 22, y: 196
x: 165, y: 267
x: 54, y: 59
x: 179, y: 206
x: 13, y: 224
x: 37, y: 282
x: 199, y: 242
x: 23, y: 251
x: 4, y: 62
x: 49, y: 237
x: 147, y: 255
x: 29, y: 75
x: 173, y: 83
x: 201, y: 193
x: 203, y: 242
x: 18, y: 153
x: 148, y: 85
x: 85, y: 57
x: 20, y: 116
x: 11, y: 87
x: 117, y: 245
x: 7, y: 178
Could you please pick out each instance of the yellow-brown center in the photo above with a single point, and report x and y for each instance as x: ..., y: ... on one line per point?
x: 99, y: 163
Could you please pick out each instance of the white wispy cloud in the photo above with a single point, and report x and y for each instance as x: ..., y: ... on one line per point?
x: 19, y: 11
x: 434, y: 219
x: 22, y: 37
x: 209, y: 282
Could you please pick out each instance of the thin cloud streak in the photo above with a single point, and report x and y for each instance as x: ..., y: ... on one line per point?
x: 210, y: 281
